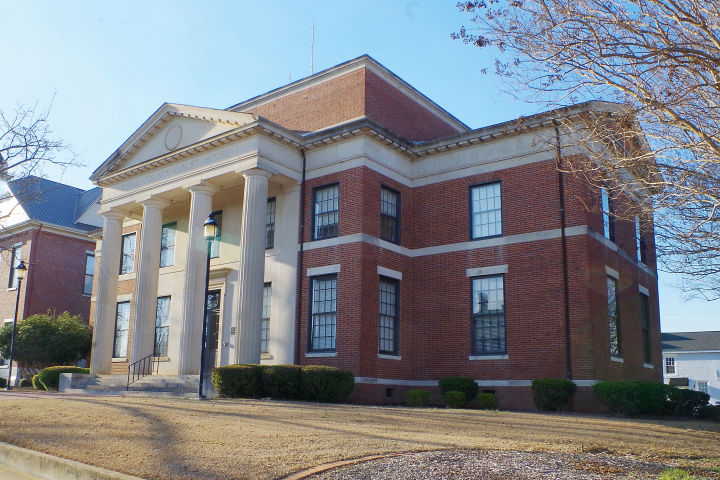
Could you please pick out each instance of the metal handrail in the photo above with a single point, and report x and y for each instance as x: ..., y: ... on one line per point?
x: 142, y: 368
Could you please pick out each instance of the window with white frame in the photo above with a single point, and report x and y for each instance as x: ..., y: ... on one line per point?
x: 613, y: 317
x: 323, y: 320
x: 270, y: 223
x: 167, y: 244
x: 127, y: 260
x: 15, y: 254
x: 326, y: 208
x: 608, y: 215
x: 702, y: 386
x: 162, y: 326
x: 670, y: 365
x: 488, y: 315
x: 389, y: 215
x: 388, y: 341
x: 215, y: 245
x: 265, y: 326
x: 122, y: 325
x: 486, y: 210
x: 89, y: 273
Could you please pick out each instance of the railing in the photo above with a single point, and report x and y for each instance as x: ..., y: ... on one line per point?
x: 142, y: 368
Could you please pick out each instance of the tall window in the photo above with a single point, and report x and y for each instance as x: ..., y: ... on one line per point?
x: 15, y: 255
x: 122, y: 323
x: 388, y: 316
x: 162, y: 326
x: 326, y: 206
x: 608, y: 215
x: 670, y: 365
x: 265, y: 333
x: 702, y: 386
x: 324, y: 313
x: 167, y: 244
x: 645, y: 319
x: 488, y: 311
x: 127, y: 261
x: 613, y: 317
x: 389, y: 215
x: 486, y: 210
x: 215, y: 245
x: 270, y: 223
x: 640, y: 246
x: 89, y: 273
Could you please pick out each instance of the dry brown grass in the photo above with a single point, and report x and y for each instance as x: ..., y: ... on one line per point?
x: 237, y: 439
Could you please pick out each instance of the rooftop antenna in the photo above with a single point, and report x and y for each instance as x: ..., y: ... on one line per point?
x: 312, y: 49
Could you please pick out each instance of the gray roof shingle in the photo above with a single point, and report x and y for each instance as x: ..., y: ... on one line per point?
x: 52, y: 202
x: 690, y: 341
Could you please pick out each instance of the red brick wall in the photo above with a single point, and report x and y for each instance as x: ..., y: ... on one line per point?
x: 7, y: 295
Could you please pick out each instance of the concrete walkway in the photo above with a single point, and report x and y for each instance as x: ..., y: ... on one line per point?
x: 9, y: 473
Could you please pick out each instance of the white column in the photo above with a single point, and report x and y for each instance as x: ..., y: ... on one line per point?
x: 146, y: 281
x: 106, y: 296
x: 252, y: 265
x: 194, y: 293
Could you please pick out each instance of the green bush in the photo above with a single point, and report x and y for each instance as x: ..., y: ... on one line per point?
x: 552, y: 393
x: 281, y: 381
x: 454, y: 399
x: 36, y: 383
x: 627, y: 398
x: 50, y: 377
x: 711, y: 412
x: 417, y: 398
x: 686, y: 402
x: 238, y: 381
x: 459, y: 384
x: 326, y: 384
x: 486, y: 401
x: 25, y: 383
x: 3, y: 382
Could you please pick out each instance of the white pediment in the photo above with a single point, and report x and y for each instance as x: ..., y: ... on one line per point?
x: 172, y: 128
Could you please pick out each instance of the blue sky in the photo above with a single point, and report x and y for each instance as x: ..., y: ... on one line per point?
x: 107, y: 66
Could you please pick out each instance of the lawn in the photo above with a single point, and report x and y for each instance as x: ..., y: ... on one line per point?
x: 239, y: 439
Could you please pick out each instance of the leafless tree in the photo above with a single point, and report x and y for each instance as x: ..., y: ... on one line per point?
x: 659, y: 59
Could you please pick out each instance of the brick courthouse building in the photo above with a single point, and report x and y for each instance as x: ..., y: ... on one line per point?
x: 428, y: 249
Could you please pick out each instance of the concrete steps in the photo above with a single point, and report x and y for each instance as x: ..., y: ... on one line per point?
x: 183, y: 386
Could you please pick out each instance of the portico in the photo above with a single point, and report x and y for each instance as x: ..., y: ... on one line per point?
x: 159, y: 187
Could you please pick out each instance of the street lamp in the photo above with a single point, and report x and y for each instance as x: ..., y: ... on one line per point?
x: 19, y: 274
x: 210, y: 231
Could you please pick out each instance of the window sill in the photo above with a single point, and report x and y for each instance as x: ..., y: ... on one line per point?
x: 648, y: 365
x: 87, y: 295
x: 12, y: 289
x: 616, y: 359
x: 320, y: 354
x: 488, y: 357
x: 161, y: 359
x: 266, y: 356
x: 388, y: 356
x: 126, y: 276
x: 119, y: 360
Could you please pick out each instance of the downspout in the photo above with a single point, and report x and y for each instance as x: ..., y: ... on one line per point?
x: 300, y: 263
x: 563, y: 239
x: 30, y: 283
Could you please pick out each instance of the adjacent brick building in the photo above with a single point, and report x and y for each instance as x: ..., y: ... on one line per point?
x: 365, y: 227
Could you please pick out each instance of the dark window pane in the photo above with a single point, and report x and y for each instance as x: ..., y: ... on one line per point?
x: 270, y: 224
x: 388, y: 316
x: 488, y: 310
x: 326, y: 208
x: 324, y: 313
x: 486, y: 210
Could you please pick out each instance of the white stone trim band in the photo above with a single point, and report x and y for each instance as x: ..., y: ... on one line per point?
x: 643, y: 290
x: 492, y: 270
x: 481, y: 383
x: 612, y: 272
x: 324, y: 270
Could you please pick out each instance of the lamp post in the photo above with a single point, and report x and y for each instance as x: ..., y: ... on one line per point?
x: 210, y: 230
x: 19, y: 274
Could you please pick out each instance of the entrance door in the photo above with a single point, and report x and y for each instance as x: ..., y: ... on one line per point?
x: 213, y: 326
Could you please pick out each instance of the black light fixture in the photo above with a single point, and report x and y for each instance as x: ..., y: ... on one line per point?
x: 20, y: 271
x: 210, y: 232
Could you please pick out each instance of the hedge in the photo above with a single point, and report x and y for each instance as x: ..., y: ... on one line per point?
x: 50, y: 377
x: 552, y: 393
x: 626, y: 398
x: 25, y: 383
x: 711, y: 412
x: 455, y: 399
x: 686, y: 402
x: 36, y: 383
x: 292, y: 382
x: 417, y: 398
x: 3, y: 382
x: 459, y: 384
x: 486, y: 401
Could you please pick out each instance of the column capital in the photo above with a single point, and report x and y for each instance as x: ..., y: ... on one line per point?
x: 256, y: 172
x: 113, y: 213
x: 203, y: 187
x: 155, y: 202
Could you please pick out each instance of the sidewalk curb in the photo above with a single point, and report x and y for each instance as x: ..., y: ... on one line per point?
x: 49, y: 467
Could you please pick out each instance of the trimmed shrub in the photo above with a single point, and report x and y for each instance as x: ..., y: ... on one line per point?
x: 459, y: 384
x: 25, y: 383
x: 36, y: 383
x: 3, y: 382
x: 552, y: 394
x: 627, y: 398
x: 711, y: 412
x: 454, y: 399
x: 417, y: 398
x: 486, y: 401
x: 238, y: 381
x: 686, y: 402
x: 281, y: 381
x: 50, y: 377
x: 326, y: 384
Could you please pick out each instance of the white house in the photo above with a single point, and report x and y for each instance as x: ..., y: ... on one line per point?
x: 692, y: 360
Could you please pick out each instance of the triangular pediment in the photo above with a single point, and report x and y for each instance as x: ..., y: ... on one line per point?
x: 172, y: 127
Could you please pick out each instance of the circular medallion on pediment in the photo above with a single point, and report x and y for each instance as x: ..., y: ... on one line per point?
x: 173, y: 135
